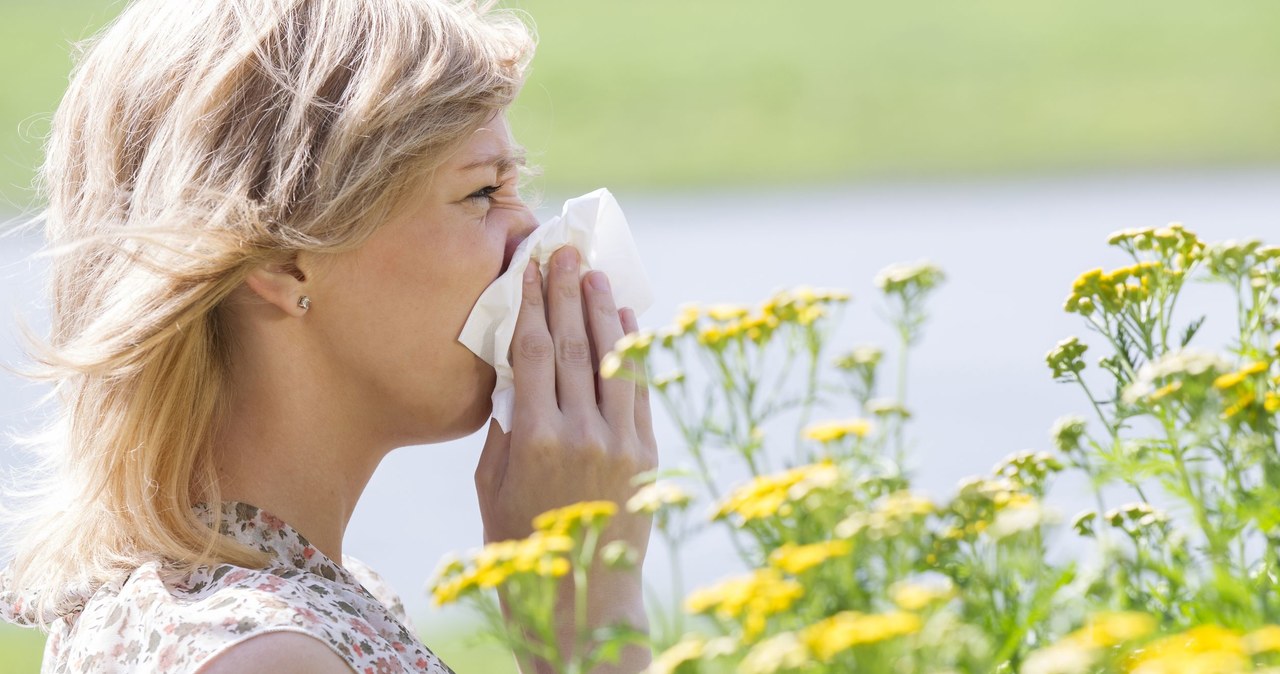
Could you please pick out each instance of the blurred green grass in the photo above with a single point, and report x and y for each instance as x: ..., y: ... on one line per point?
x: 677, y: 94
x: 673, y: 93
x: 21, y: 650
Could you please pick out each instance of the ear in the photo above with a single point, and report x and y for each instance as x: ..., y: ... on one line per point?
x: 281, y: 284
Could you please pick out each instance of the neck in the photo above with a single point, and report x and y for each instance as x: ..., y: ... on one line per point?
x: 296, y: 450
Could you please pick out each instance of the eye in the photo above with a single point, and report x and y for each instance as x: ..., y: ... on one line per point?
x: 485, y: 194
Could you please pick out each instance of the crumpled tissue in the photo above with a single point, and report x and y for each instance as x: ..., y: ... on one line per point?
x: 593, y: 223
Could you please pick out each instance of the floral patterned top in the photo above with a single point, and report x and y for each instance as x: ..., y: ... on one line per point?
x: 146, y: 623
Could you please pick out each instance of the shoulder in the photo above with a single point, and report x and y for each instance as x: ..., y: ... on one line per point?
x: 278, y: 652
x: 179, y: 624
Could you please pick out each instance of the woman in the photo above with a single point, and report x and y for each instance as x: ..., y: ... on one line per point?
x: 272, y: 219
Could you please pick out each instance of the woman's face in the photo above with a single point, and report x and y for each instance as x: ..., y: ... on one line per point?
x: 390, y: 312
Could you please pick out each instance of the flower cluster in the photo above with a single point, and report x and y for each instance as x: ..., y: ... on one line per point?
x: 657, y: 496
x: 859, y: 366
x: 834, y: 431
x: 1238, y: 261
x: 1177, y: 247
x: 1246, y: 392
x: 573, y: 518
x: 1029, y: 470
x: 851, y: 569
x: 635, y: 345
x: 1066, y: 358
x: 980, y: 501
x: 1116, y: 290
x: 542, y: 554
x: 909, y: 279
x: 887, y: 517
x: 1127, y: 641
x: 1183, y: 375
x: 796, y: 559
x: 773, y: 495
x: 1067, y: 432
x: 752, y: 598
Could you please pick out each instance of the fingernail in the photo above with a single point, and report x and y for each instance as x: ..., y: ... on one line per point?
x: 567, y: 258
x: 531, y: 272
x: 599, y: 281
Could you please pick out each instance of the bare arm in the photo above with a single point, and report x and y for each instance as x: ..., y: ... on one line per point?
x: 278, y: 653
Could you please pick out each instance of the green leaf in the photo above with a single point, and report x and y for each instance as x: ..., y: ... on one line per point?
x: 1191, y: 331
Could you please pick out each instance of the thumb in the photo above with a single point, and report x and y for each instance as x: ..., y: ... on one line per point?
x: 491, y: 469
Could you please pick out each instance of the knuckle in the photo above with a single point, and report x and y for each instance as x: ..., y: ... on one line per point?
x: 535, y: 348
x: 648, y: 459
x: 532, y: 297
x: 603, y: 309
x: 567, y: 288
x: 575, y: 351
x: 589, y: 444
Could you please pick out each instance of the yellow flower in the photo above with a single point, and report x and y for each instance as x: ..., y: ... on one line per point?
x: 566, y: 520
x: 685, y: 321
x: 1111, y: 628
x: 726, y: 312
x: 888, y: 516
x: 713, y: 336
x: 1167, y: 389
x: 1243, y: 402
x: 782, y: 651
x: 810, y: 315
x: 769, y: 495
x: 915, y: 596
x: 752, y: 597
x: 759, y: 328
x: 611, y: 365
x: 1066, y: 657
x: 655, y: 496
x: 849, y: 629
x: 1111, y: 290
x: 831, y: 431
x: 1265, y: 639
x: 1232, y: 379
x: 796, y: 559
x: 903, y: 504
x: 1207, y: 649
x: 687, y: 649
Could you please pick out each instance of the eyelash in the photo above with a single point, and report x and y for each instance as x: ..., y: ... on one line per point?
x: 485, y: 193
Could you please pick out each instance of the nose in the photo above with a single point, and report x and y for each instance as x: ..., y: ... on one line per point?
x: 523, y: 225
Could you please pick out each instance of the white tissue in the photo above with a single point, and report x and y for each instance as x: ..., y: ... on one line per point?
x: 593, y: 223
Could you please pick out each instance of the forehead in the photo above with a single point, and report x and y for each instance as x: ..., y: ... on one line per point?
x: 487, y: 147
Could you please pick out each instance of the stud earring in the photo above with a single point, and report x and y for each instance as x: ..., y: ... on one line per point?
x: 304, y: 302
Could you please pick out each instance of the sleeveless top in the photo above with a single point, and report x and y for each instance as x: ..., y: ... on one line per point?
x: 150, y: 622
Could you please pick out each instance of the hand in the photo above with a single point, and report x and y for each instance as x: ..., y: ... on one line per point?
x: 573, y: 436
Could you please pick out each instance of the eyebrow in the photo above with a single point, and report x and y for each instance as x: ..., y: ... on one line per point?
x: 504, y: 161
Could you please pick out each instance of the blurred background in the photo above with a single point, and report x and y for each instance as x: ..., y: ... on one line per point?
x: 759, y: 145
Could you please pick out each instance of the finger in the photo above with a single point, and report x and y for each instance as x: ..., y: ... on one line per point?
x: 575, y: 382
x: 617, y: 395
x: 533, y: 366
x: 643, y: 411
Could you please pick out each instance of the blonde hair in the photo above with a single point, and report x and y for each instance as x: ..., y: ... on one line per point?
x: 196, y: 141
